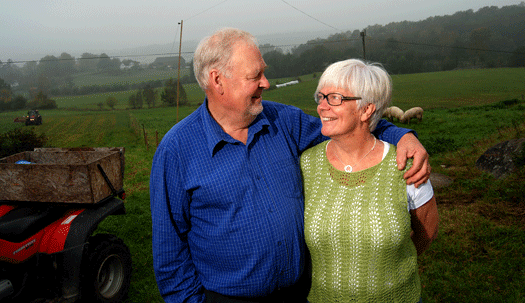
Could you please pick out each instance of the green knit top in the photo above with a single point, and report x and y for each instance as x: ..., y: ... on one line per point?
x: 357, y: 228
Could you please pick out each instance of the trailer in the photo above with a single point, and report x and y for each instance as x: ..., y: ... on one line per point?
x: 62, y: 175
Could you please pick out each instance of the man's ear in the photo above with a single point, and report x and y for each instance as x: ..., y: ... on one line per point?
x: 216, y: 81
x: 368, y: 111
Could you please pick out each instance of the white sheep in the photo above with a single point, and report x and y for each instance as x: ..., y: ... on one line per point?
x: 414, y: 112
x: 394, y: 112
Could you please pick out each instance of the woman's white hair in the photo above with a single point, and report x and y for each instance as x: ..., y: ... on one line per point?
x: 215, y: 52
x: 370, y: 81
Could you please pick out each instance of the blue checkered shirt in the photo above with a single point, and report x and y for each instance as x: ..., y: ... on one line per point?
x: 228, y: 216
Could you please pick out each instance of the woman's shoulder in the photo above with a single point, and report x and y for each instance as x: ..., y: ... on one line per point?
x: 390, y: 152
x: 315, y: 150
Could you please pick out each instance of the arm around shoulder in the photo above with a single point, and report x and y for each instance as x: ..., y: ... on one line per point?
x: 408, y: 146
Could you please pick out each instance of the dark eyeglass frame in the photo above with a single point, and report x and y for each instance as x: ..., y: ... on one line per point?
x: 318, y: 97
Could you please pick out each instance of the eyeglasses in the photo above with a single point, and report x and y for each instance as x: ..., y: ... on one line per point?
x: 333, y: 99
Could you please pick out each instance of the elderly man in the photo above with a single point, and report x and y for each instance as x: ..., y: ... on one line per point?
x: 226, y: 191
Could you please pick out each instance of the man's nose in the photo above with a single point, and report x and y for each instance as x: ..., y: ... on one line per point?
x: 264, y: 82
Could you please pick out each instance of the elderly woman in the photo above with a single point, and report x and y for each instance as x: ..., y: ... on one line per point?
x: 364, y: 226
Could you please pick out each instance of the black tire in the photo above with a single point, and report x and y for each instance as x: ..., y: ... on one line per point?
x: 106, y: 267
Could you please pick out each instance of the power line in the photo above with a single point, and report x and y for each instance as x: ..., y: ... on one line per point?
x: 310, y: 16
x: 205, y: 10
x: 312, y: 43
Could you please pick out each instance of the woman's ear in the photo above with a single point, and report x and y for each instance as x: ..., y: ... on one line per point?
x: 368, y: 111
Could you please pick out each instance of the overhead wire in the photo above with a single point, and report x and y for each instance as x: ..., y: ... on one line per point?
x: 310, y: 16
x: 278, y: 46
x: 206, y: 10
x: 275, y: 46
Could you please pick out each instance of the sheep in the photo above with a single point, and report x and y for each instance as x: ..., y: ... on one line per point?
x: 414, y: 112
x: 394, y: 112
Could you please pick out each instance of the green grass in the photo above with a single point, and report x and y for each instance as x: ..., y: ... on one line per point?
x: 448, y: 89
x: 439, y: 130
x: 479, y: 253
x: 88, y: 79
x: 193, y: 91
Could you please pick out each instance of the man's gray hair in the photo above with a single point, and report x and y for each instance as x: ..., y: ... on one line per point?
x: 370, y: 81
x: 215, y: 52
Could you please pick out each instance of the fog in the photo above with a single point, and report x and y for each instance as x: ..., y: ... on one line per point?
x: 32, y: 29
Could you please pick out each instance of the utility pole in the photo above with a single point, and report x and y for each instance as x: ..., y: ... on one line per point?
x: 363, y: 34
x: 178, y: 72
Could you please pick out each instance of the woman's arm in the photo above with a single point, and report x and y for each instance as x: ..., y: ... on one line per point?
x: 424, y: 225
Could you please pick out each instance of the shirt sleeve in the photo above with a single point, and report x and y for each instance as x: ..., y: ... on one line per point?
x: 175, y: 272
x: 306, y: 129
x: 418, y: 197
x: 390, y: 133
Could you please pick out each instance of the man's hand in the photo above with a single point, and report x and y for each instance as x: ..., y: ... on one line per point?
x: 410, y: 147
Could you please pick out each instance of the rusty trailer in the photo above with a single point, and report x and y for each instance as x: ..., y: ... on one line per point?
x: 63, y: 175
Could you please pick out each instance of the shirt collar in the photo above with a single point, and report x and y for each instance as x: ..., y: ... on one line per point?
x: 216, y: 138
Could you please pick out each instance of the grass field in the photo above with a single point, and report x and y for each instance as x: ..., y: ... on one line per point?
x: 479, y: 253
x: 429, y: 90
x: 193, y: 91
x: 87, y: 79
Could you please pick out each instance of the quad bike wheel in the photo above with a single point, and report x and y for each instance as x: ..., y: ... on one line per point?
x: 106, y: 267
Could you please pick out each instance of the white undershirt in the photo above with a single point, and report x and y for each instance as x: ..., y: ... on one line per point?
x: 417, y: 197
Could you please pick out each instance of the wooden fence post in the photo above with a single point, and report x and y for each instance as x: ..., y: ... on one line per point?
x: 145, y: 137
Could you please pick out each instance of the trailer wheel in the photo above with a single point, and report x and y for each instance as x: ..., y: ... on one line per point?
x: 106, y: 267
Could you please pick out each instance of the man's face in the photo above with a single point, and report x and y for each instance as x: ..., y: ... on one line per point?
x: 244, y: 88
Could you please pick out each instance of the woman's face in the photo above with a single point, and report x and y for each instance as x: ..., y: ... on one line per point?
x: 338, y: 120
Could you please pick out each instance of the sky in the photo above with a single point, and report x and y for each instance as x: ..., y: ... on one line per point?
x: 31, y: 29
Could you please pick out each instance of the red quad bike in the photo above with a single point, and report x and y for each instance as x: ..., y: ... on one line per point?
x: 48, y: 253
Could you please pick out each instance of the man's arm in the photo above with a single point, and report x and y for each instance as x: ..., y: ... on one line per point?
x: 408, y: 146
x: 175, y: 272
x: 424, y: 225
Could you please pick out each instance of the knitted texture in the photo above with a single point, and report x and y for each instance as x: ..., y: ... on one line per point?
x: 357, y: 228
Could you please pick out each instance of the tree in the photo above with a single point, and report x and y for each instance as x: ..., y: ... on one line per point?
x: 48, y: 66
x: 104, y: 62
x: 314, y: 60
x: 3, y: 84
x: 518, y: 57
x: 42, y: 101
x: 10, y: 72
x: 19, y: 102
x: 30, y: 69
x: 66, y: 65
x: 479, y: 39
x: 5, y: 95
x: 169, y: 94
x: 132, y: 101
x: 138, y: 99
x: 44, y: 84
x: 150, y: 95
x: 87, y: 62
x: 111, y: 102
